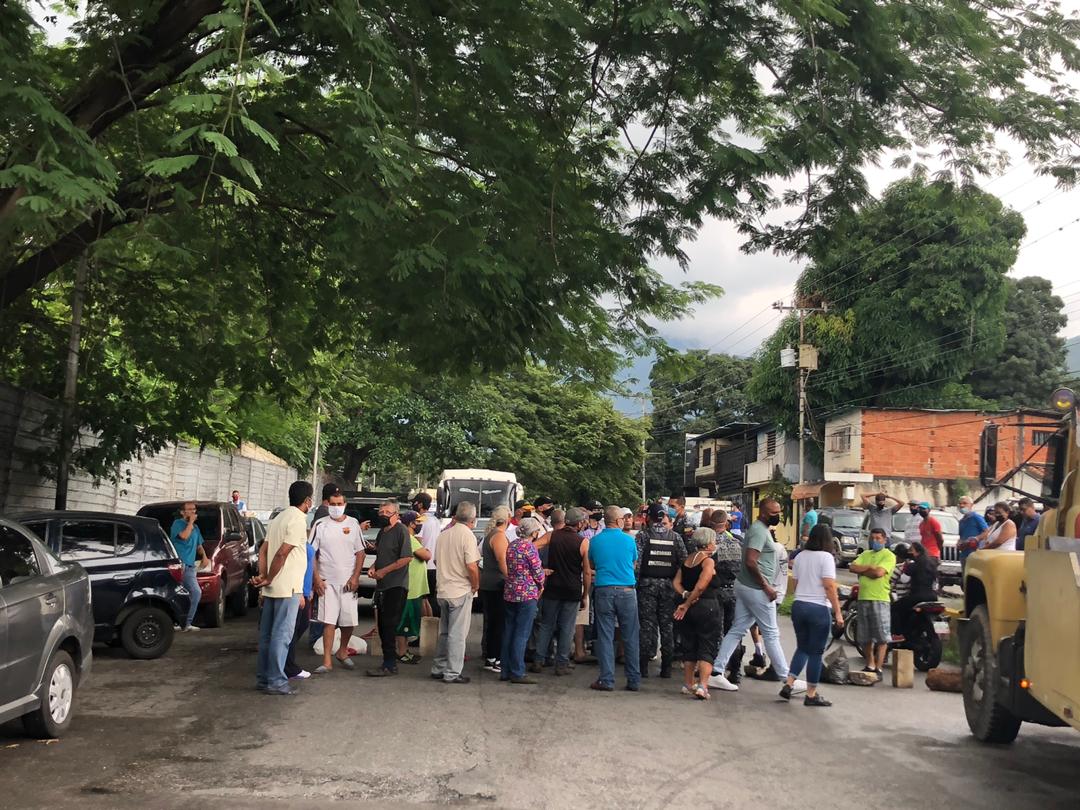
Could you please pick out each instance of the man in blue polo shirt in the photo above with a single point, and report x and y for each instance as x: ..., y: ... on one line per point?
x: 612, y: 554
x: 972, y: 524
x: 188, y: 542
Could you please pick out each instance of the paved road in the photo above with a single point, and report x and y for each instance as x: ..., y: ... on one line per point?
x: 188, y: 730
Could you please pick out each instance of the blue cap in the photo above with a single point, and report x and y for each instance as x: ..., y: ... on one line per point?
x: 925, y: 504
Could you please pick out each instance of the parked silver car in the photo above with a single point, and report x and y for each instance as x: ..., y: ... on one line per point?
x: 949, y: 568
x: 46, y: 631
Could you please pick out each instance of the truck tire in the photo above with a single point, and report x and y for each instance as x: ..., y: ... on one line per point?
x: 238, y: 600
x: 53, y: 717
x: 988, y: 720
x: 147, y: 633
x: 215, y: 612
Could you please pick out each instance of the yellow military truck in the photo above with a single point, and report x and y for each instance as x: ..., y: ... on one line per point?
x: 1020, y: 633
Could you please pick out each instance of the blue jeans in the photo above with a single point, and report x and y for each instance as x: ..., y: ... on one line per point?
x: 613, y: 601
x: 752, y: 606
x: 191, y: 583
x: 516, y: 631
x: 557, y: 617
x: 813, y: 623
x: 276, y: 627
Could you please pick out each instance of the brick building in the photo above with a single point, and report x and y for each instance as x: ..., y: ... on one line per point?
x: 925, y: 454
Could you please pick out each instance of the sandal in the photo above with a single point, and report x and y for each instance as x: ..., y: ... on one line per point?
x: 701, y: 693
x: 347, y: 663
x: 409, y: 658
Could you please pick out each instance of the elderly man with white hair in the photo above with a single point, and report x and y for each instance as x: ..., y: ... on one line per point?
x: 457, y: 579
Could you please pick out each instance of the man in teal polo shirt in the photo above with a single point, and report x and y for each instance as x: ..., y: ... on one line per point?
x: 188, y: 542
x: 612, y: 554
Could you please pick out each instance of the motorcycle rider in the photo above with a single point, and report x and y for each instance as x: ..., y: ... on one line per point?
x: 922, y: 571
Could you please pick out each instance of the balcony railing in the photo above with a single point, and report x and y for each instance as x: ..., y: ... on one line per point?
x: 759, y: 472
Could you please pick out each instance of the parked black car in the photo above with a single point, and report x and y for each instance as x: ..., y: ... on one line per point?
x: 46, y: 633
x: 256, y: 533
x: 134, y: 572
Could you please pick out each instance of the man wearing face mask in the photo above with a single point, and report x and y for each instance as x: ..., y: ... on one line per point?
x: 874, y: 567
x: 755, y: 597
x: 338, y: 542
x: 972, y: 525
x: 930, y: 531
x: 881, y: 514
x: 911, y: 528
x: 1029, y: 522
x: 542, y: 509
x: 393, y: 553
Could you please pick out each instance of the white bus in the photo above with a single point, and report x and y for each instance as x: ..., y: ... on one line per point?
x: 485, y: 488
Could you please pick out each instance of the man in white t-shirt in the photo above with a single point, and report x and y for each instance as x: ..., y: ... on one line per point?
x: 911, y: 528
x: 428, y: 533
x: 458, y: 567
x: 338, y: 541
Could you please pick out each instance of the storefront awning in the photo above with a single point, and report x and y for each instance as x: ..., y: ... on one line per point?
x: 800, y: 491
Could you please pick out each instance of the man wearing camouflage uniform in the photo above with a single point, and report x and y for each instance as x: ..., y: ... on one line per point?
x: 660, y: 553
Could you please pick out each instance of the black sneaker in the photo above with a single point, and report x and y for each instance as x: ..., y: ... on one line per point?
x: 381, y: 672
x: 785, y: 691
x: 758, y: 660
x: 816, y: 700
x: 461, y: 679
x: 771, y: 676
x: 601, y: 687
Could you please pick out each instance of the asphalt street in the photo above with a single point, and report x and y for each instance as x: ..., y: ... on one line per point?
x: 188, y: 730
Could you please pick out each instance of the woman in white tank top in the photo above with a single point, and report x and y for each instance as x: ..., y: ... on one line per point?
x: 1002, y: 536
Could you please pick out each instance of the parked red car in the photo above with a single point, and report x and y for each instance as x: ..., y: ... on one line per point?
x: 226, y: 544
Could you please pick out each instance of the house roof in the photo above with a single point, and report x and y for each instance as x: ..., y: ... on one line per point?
x: 729, y: 429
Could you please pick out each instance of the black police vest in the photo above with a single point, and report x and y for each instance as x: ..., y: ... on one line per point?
x: 658, y: 560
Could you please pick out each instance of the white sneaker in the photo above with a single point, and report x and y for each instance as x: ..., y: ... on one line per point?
x: 798, y: 686
x: 302, y: 675
x: 191, y: 629
x: 723, y: 684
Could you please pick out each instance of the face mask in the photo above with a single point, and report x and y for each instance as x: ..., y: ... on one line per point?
x: 914, y: 511
x: 671, y: 513
x: 880, y: 504
x: 336, y: 512
x: 380, y: 522
x: 876, y: 545
x: 772, y: 520
x: 923, y: 512
x: 964, y: 510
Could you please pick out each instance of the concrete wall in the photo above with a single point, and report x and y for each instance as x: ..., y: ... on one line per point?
x: 178, y: 471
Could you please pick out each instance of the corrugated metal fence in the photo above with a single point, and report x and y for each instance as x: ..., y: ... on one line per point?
x: 178, y: 471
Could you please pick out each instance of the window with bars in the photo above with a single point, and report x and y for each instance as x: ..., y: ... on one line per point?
x: 840, y: 440
x: 1041, y: 437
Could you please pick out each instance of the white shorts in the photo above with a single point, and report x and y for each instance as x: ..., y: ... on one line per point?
x: 337, y: 606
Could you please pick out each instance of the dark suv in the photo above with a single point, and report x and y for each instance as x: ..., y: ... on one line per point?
x: 134, y: 573
x: 225, y: 543
x: 46, y: 632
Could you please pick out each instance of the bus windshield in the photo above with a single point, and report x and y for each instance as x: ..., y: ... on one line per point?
x: 485, y: 494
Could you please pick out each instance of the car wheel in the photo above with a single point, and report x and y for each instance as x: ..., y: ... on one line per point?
x: 238, y: 600
x: 147, y: 633
x: 988, y: 720
x: 53, y: 716
x: 215, y: 613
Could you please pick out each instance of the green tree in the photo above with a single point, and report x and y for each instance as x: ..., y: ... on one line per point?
x: 1032, y: 363
x: 915, y: 287
x: 463, y: 182
x: 691, y: 392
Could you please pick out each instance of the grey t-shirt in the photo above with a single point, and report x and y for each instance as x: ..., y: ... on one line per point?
x: 881, y: 519
x: 759, y: 538
x: 391, y: 545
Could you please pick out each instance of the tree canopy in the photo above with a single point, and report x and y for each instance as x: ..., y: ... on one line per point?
x: 265, y: 186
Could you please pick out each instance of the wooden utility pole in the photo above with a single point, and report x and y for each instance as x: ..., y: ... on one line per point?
x: 68, y: 425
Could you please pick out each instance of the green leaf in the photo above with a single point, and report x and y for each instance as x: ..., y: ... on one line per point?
x: 195, y: 102
x: 222, y: 19
x: 181, y: 137
x: 37, y: 203
x: 168, y: 166
x: 243, y: 165
x: 255, y: 129
x: 221, y: 142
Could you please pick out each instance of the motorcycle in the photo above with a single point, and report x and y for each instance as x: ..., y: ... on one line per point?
x: 922, y: 638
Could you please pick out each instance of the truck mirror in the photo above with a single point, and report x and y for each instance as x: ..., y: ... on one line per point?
x: 988, y: 446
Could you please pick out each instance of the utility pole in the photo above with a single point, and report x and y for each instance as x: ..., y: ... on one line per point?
x: 68, y: 427
x: 807, y: 362
x: 644, y: 448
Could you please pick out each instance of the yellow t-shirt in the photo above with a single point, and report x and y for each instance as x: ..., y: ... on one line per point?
x: 290, y: 527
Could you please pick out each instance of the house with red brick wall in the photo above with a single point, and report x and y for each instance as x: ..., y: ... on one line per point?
x: 927, y: 455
